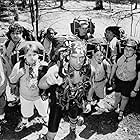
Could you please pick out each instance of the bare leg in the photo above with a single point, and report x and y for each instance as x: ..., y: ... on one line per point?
x: 124, y: 102
x: 117, y: 99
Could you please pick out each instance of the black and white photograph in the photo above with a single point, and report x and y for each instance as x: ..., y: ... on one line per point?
x: 69, y: 69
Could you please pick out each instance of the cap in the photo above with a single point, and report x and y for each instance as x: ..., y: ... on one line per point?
x: 28, y: 43
x: 78, y: 47
x: 131, y: 42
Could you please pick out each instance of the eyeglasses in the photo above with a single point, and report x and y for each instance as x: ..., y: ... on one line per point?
x: 129, y: 49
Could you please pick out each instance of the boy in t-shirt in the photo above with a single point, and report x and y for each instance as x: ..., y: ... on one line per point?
x: 127, y: 79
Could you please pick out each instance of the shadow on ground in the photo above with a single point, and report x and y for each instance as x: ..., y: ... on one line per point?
x: 100, y: 124
x: 12, y: 118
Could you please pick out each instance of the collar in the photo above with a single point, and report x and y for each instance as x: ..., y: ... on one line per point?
x: 30, y: 65
x: 130, y: 58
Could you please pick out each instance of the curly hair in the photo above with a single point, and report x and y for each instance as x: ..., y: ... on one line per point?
x: 14, y: 27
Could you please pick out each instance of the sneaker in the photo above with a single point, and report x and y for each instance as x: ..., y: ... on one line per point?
x: 20, y: 126
x: 42, y: 137
x: 120, y: 117
x: 70, y: 136
x: 0, y: 129
x: 80, y: 120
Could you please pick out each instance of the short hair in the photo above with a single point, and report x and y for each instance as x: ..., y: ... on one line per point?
x: 14, y: 27
x: 115, y: 30
x: 48, y: 31
x: 99, y: 48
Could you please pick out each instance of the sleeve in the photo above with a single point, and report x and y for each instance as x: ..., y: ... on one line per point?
x: 8, y: 67
x: 15, y: 74
x: 138, y: 66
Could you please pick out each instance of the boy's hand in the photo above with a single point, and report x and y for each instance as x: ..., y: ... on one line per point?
x: 88, y: 108
x: 2, y: 80
x: 133, y: 94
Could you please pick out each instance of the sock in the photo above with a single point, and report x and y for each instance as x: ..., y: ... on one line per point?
x: 25, y: 120
x: 73, y: 123
x: 2, y: 116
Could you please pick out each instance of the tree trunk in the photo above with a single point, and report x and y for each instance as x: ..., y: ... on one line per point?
x: 24, y: 3
x: 16, y: 12
x: 31, y: 5
x: 136, y: 4
x: 61, y: 3
x: 36, y: 3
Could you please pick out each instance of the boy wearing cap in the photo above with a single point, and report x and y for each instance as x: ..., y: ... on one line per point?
x: 70, y: 82
x: 127, y: 76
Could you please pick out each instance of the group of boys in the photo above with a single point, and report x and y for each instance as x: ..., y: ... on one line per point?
x: 68, y: 74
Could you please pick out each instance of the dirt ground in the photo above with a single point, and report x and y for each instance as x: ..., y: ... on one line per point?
x: 96, y: 127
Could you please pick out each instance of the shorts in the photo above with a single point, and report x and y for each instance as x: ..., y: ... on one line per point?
x: 27, y: 107
x: 125, y: 87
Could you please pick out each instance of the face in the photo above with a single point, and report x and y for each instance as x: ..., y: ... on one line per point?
x: 31, y: 57
x: 83, y: 29
x: 99, y: 56
x: 50, y: 35
x: 128, y: 52
x: 77, y: 60
x: 109, y: 35
x: 16, y: 36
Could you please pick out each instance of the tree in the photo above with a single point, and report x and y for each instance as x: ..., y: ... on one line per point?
x: 61, y: 4
x: 136, y: 4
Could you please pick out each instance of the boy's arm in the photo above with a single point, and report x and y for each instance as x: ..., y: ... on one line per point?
x: 16, y: 73
x: 50, y: 78
x: 8, y: 67
x: 113, y: 70
x: 137, y: 86
x: 108, y: 70
x: 91, y: 90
